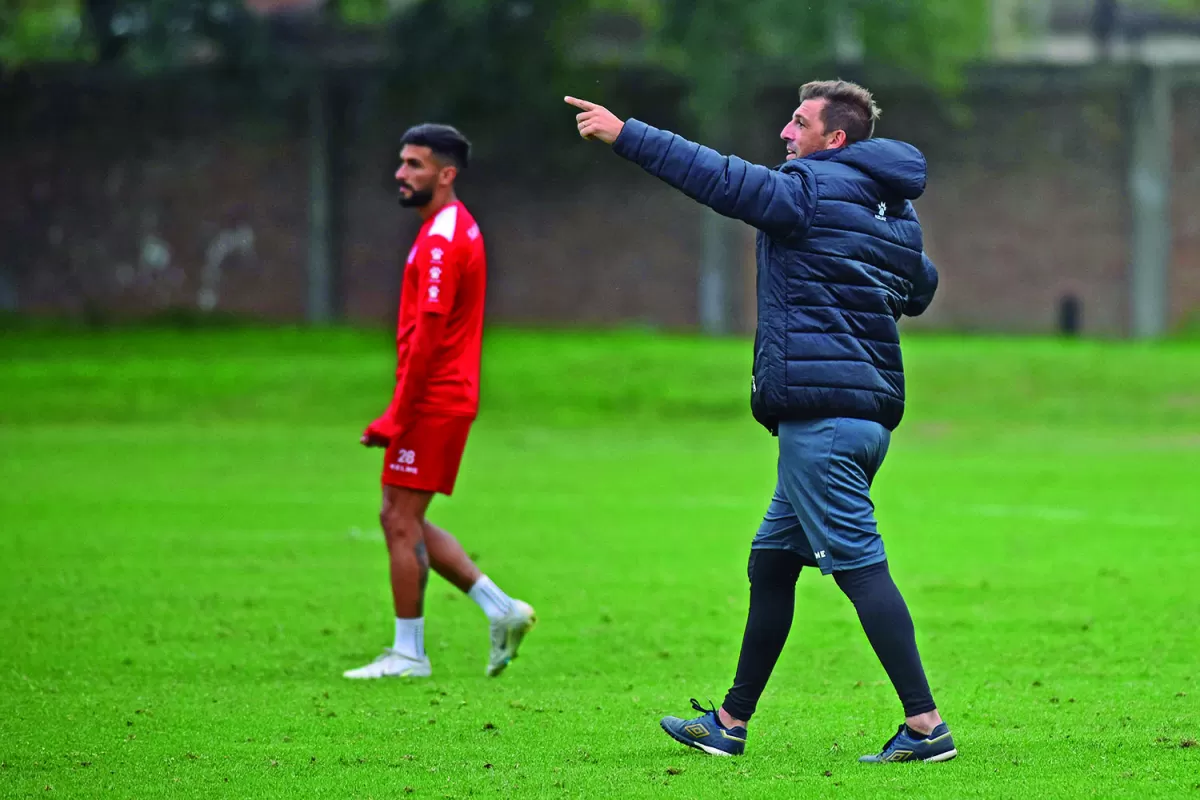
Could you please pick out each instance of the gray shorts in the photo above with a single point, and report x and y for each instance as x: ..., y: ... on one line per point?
x: 822, y: 508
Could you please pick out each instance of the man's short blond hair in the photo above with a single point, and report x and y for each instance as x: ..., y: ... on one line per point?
x: 849, y: 107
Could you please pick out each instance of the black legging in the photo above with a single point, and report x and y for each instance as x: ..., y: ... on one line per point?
x: 881, y: 610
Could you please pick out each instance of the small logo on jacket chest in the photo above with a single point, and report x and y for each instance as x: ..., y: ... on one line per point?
x: 882, y: 213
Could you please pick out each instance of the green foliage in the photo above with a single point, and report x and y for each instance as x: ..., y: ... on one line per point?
x: 722, y: 47
x: 717, y: 43
x: 504, y: 61
x: 147, y: 35
x: 41, y: 30
x: 365, y: 12
x: 933, y: 39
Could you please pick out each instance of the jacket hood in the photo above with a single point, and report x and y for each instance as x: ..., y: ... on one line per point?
x: 897, y: 166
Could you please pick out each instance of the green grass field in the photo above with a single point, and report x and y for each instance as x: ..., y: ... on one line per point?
x: 190, y: 558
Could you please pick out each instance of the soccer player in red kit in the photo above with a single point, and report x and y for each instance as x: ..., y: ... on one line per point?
x: 424, y: 430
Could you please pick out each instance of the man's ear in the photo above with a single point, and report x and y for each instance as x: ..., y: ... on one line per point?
x: 838, y: 139
x: 447, y: 175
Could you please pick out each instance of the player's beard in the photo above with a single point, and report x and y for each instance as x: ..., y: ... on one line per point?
x: 415, y: 199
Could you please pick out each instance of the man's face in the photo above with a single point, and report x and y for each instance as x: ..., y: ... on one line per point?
x: 419, y: 175
x: 805, y: 133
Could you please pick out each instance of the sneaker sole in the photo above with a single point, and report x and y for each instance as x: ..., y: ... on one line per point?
x: 518, y: 638
x: 712, y: 751
x: 405, y: 674
x: 946, y: 756
x: 409, y: 675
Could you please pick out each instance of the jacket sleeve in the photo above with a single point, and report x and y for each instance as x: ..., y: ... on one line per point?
x: 780, y: 204
x: 924, y: 288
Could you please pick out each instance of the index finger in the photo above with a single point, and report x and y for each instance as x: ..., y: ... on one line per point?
x: 584, y: 104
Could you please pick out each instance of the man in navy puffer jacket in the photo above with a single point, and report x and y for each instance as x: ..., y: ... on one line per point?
x: 840, y: 259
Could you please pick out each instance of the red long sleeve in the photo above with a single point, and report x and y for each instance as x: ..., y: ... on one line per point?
x: 425, y: 342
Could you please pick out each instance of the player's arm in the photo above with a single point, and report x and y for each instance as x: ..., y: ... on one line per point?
x: 923, y: 290
x: 781, y: 204
x: 380, y: 432
x: 436, y: 287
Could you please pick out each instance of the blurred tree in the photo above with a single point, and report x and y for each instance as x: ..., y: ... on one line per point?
x: 369, y: 12
x: 503, y: 61
x: 145, y: 34
x: 711, y: 41
x: 718, y: 46
x: 496, y: 57
x: 41, y: 30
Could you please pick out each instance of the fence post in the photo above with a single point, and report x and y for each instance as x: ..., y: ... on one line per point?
x: 321, y: 307
x: 716, y: 273
x: 1149, y: 191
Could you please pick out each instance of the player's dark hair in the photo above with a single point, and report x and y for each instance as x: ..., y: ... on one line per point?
x: 445, y: 141
x: 849, y: 108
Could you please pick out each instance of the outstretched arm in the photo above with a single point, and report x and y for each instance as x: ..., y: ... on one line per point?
x: 778, y: 203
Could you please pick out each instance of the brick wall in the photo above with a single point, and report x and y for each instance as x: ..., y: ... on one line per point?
x: 1185, y: 200
x: 132, y: 200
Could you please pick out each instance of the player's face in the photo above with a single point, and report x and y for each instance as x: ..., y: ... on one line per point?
x: 420, y: 175
x: 805, y: 133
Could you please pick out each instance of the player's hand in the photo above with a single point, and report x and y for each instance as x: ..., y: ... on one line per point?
x: 596, y: 122
x: 376, y: 435
x: 371, y: 438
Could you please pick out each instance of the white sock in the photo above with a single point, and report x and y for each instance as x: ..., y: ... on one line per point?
x: 494, y: 602
x: 410, y: 638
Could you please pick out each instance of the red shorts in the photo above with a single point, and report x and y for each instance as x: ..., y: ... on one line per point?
x: 426, y: 457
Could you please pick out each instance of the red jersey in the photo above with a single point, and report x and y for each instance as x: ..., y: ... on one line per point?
x: 446, y: 274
